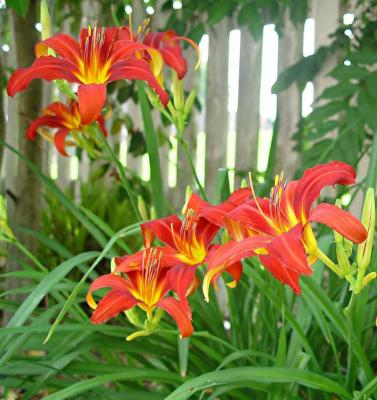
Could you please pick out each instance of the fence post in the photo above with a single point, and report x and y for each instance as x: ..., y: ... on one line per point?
x: 289, y: 101
x: 247, y: 127
x: 216, y: 103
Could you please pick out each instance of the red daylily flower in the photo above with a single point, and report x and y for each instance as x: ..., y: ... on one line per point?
x: 167, y: 43
x: 189, y: 239
x: 146, y: 284
x: 284, y: 222
x: 98, y: 59
x: 66, y: 118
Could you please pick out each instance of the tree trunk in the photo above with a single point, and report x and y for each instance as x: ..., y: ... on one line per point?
x: 25, y: 201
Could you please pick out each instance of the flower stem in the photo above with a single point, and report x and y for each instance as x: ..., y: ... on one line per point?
x: 186, y: 151
x: 152, y: 148
x: 122, y: 175
x: 329, y: 263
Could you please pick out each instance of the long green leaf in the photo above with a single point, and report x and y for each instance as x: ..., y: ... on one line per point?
x: 243, y: 376
x: 131, y: 374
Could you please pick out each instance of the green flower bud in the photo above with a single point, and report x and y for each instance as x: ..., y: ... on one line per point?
x: 45, y: 21
x: 187, y: 198
x: 142, y: 208
x: 189, y: 103
x: 368, y: 219
x: 178, y: 95
x: 4, y: 227
x: 343, y: 261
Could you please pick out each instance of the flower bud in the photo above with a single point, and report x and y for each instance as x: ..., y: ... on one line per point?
x: 45, y: 21
x: 346, y: 244
x: 142, y: 208
x: 368, y: 278
x: 244, y: 183
x: 189, y: 102
x: 153, y: 213
x: 368, y: 219
x: 4, y: 227
x: 343, y: 261
x: 187, y: 198
x: 178, y: 95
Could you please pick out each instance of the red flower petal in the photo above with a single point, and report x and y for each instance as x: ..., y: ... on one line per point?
x: 139, y: 70
x: 315, y: 179
x: 48, y: 68
x: 341, y: 221
x: 286, y: 258
x: 45, y: 120
x: 173, y: 57
x: 123, y: 49
x: 178, y: 313
x: 205, y: 232
x: 91, y: 99
x: 220, y: 258
x: 67, y: 47
x: 101, y: 124
x: 281, y: 272
x: 111, y: 305
x: 135, y: 261
x: 216, y: 214
x: 59, y: 139
x: 249, y: 216
x: 183, y: 281
x: 165, y: 229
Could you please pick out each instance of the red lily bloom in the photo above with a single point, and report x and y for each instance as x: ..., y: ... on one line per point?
x: 146, y: 285
x: 167, y: 43
x: 98, y: 59
x: 284, y: 222
x: 66, y: 118
x: 190, y: 238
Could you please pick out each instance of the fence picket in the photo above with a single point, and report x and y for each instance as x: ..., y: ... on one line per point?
x: 247, y: 127
x: 289, y: 101
x: 216, y: 103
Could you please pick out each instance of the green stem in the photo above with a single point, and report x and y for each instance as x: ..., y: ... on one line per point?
x: 122, y: 175
x: 29, y: 255
x: 186, y: 151
x: 329, y: 263
x: 351, y: 361
x: 152, y: 148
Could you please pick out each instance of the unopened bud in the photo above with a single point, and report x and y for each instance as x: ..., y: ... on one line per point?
x: 346, y: 244
x: 343, y: 261
x: 112, y: 265
x: 4, y: 227
x: 178, y: 92
x: 142, y: 208
x: 187, y: 198
x: 368, y: 219
x: 45, y: 21
x: 244, y: 183
x: 153, y: 213
x: 368, y: 278
x: 189, y: 102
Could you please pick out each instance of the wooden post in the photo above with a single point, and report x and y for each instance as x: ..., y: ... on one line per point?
x: 26, y: 198
x: 216, y: 103
x: 289, y: 101
x: 247, y: 127
x: 326, y: 15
